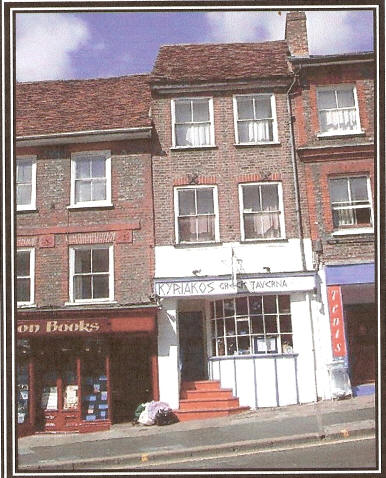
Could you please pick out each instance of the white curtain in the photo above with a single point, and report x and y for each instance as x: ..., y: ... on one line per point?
x: 342, y: 119
x: 258, y: 131
x: 198, y: 135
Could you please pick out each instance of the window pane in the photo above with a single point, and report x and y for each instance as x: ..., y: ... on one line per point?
x: 187, y: 229
x: 23, y: 194
x: 24, y: 171
x: 270, y: 225
x: 363, y: 216
x: 101, y: 286
x: 182, y: 111
x: 244, y: 345
x: 270, y: 324
x: 242, y: 327
x: 230, y: 326
x: 98, y: 168
x: 82, y: 191
x: 338, y: 190
x: 285, y: 323
x: 257, y: 324
x: 205, y: 201
x: 100, y: 260
x: 270, y: 197
x: 205, y: 228
x: 284, y: 303
x: 245, y: 108
x: 359, y: 189
x: 272, y: 344
x: 343, y: 217
x: 255, y: 304
x: 327, y: 99
x: 231, y: 345
x: 99, y: 190
x: 183, y: 135
x: 23, y: 263
x: 186, y: 202
x: 201, y: 110
x: 219, y: 308
x: 220, y: 327
x: 269, y: 304
x: 246, y: 132
x: 263, y: 108
x: 82, y: 287
x: 286, y: 344
x: 83, y: 168
x: 23, y: 287
x: 251, y: 198
x: 229, y: 308
x: 82, y: 261
x: 345, y: 98
x: 241, y: 306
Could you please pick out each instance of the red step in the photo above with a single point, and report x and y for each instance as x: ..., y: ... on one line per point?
x: 206, y: 399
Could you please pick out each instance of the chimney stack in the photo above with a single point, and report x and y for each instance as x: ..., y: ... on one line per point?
x: 296, y: 33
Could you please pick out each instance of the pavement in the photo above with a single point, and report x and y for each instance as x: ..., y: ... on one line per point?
x: 127, y: 446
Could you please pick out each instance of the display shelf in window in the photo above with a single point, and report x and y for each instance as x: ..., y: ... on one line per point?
x: 22, y: 393
x: 49, y: 398
x: 95, y: 404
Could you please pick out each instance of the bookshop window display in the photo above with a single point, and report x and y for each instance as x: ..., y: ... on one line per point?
x: 23, y: 381
x: 258, y: 324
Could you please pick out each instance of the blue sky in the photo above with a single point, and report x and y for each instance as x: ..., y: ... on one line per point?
x: 62, y: 45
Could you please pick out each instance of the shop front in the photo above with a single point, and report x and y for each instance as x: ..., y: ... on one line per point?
x: 80, y: 375
x: 253, y: 334
x: 353, y: 322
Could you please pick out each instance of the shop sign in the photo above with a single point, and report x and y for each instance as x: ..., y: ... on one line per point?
x: 335, y: 308
x: 54, y: 326
x: 187, y: 288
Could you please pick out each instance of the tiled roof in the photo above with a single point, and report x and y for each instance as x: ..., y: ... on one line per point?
x: 47, y: 107
x: 219, y: 62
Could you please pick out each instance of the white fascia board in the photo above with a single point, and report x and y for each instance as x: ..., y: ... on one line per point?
x: 91, y: 136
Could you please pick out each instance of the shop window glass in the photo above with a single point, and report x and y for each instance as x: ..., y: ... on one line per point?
x: 350, y: 202
x: 94, y: 386
x: 253, y: 325
x: 22, y: 381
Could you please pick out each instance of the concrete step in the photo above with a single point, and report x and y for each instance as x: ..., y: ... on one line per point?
x: 210, y: 404
x: 194, y: 394
x: 201, y: 385
x: 185, y: 415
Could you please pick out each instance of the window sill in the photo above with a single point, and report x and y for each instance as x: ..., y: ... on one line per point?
x: 253, y: 356
x: 341, y: 134
x: 91, y: 206
x: 266, y: 143
x: 24, y: 305
x: 354, y: 231
x: 187, y: 148
x: 257, y: 241
x: 90, y: 302
x: 26, y: 209
x: 183, y: 245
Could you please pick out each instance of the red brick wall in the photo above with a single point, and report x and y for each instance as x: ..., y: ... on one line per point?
x: 226, y: 164
x: 128, y: 225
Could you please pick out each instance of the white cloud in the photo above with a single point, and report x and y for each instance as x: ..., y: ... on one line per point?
x: 44, y: 43
x: 328, y: 31
x: 245, y: 26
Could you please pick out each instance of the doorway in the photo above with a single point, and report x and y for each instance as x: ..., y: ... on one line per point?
x: 191, y: 334
x: 130, y: 376
x: 361, y: 322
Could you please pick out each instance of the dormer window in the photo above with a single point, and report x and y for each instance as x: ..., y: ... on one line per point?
x: 192, y: 122
x: 338, y: 110
x: 255, y: 119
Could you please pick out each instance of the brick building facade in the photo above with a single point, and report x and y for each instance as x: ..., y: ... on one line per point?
x: 193, y: 218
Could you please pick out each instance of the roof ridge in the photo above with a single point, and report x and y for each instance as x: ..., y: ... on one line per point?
x: 167, y: 45
x: 83, y: 80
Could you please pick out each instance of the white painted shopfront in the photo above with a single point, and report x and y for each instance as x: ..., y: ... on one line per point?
x: 263, y: 331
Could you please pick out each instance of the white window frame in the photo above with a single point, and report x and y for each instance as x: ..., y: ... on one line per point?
x: 211, y: 119
x: 31, y: 276
x: 215, y: 208
x: 344, y: 86
x: 354, y: 229
x: 281, y: 208
x: 274, y: 118
x: 72, y: 250
x: 90, y: 155
x: 32, y: 205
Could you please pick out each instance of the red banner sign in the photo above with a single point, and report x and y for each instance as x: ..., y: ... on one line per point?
x: 55, y: 327
x: 335, y: 308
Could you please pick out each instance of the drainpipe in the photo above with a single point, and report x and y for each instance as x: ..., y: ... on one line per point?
x: 299, y: 221
x: 295, y: 174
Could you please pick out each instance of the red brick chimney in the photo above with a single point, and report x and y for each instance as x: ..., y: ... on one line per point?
x: 296, y: 33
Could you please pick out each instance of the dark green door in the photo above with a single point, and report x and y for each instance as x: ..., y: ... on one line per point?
x: 192, y: 352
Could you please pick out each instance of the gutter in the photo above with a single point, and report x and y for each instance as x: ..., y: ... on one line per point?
x: 87, y: 136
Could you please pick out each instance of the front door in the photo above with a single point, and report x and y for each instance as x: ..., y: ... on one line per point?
x: 362, y: 329
x: 191, y: 332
